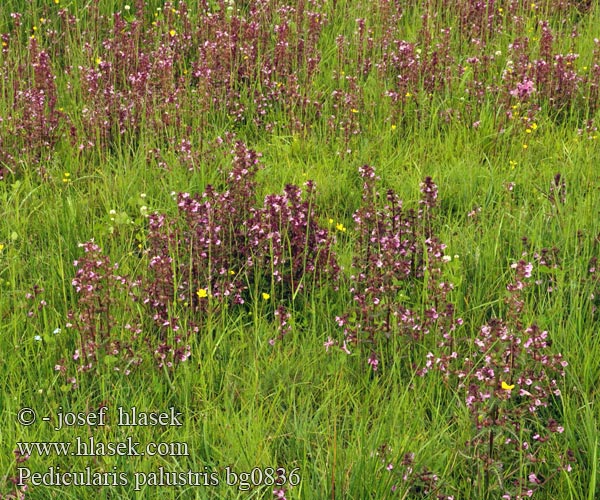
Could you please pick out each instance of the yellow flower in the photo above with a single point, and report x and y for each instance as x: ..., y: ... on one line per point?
x: 330, y: 221
x: 172, y: 32
x: 98, y: 61
x: 512, y: 164
x: 202, y: 293
x: 408, y: 94
x: 1, y: 247
x: 528, y: 131
x: 340, y: 227
x: 231, y: 272
x: 534, y: 126
x: 354, y: 110
x: 507, y: 387
x: 266, y: 296
x: 525, y: 146
x: 393, y: 127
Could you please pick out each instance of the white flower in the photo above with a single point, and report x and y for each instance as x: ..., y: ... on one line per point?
x: 37, y: 338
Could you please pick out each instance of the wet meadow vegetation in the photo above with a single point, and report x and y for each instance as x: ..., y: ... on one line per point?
x: 354, y: 243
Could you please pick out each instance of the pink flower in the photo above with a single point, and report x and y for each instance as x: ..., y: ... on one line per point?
x: 373, y: 361
x: 524, y: 90
x: 328, y: 343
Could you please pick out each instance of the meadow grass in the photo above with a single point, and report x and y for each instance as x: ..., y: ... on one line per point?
x: 109, y: 112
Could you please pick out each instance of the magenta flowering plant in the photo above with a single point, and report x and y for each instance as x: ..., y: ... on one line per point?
x: 398, y: 284
x: 104, y: 297
x: 34, y: 124
x: 511, y: 385
x: 221, y: 250
x: 225, y: 250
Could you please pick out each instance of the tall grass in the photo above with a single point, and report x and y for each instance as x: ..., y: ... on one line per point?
x: 374, y: 334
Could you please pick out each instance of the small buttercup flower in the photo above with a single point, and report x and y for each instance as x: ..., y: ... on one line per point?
x: 202, y: 293
x: 506, y: 386
x: 266, y: 296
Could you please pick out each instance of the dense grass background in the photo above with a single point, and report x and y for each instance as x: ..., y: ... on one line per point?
x: 79, y: 163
